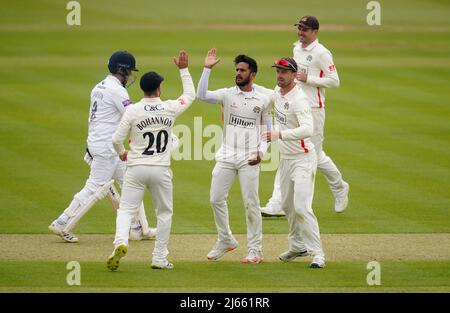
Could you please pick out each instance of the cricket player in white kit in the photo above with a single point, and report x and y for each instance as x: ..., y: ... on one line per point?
x: 316, y: 71
x: 149, y: 124
x: 109, y: 100
x: 245, y: 110
x: 298, y: 161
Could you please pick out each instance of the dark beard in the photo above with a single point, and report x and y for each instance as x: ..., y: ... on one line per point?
x: 243, y: 83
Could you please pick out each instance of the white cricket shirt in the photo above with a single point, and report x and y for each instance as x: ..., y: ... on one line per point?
x: 317, y: 62
x: 149, y: 124
x: 294, y: 119
x: 243, y: 115
x: 109, y: 100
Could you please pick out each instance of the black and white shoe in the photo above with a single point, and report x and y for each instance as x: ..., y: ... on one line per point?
x: 291, y: 255
x: 317, y: 262
x: 57, y: 230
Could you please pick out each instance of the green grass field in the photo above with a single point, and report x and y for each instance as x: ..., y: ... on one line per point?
x: 225, y: 277
x: 387, y: 130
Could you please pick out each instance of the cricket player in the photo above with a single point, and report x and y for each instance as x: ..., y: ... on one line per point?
x: 149, y: 125
x: 316, y: 72
x: 245, y: 110
x: 298, y: 162
x: 109, y: 100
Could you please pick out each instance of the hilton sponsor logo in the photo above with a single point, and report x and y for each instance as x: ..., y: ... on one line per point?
x: 243, y: 122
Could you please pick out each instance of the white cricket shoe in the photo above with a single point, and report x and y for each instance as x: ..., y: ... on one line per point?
x: 162, y: 266
x: 113, y: 261
x: 289, y: 256
x: 342, y: 200
x: 150, y: 235
x: 57, y: 229
x: 253, y: 256
x: 137, y: 234
x: 220, y: 248
x: 317, y: 262
x: 272, y: 210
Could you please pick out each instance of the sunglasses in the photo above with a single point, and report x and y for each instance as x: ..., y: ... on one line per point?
x: 303, y: 28
x: 284, y: 62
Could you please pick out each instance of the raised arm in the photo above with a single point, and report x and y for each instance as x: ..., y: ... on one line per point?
x: 202, y: 91
x: 188, y: 96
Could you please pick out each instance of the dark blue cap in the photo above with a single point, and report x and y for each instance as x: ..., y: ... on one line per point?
x: 122, y: 59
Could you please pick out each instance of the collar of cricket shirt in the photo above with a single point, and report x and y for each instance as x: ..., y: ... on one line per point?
x: 115, y: 79
x: 156, y: 99
x: 311, y: 46
x: 290, y: 94
x: 246, y: 94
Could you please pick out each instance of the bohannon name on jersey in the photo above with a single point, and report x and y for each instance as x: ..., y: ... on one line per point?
x: 154, y: 120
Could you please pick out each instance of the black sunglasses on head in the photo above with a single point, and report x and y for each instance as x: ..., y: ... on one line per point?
x: 303, y: 28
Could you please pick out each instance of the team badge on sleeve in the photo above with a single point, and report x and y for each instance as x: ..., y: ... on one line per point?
x: 126, y: 102
x: 331, y: 68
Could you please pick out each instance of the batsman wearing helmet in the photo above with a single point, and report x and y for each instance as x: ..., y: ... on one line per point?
x: 109, y: 100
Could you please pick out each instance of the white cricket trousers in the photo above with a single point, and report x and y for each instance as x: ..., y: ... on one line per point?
x: 297, y: 190
x: 223, y: 176
x: 158, y: 180
x: 324, y: 163
x: 103, y: 168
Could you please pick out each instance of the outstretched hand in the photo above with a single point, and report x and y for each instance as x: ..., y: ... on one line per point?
x: 211, y: 58
x: 182, y: 61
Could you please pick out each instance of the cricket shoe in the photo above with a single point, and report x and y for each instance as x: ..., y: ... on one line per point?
x: 271, y: 210
x: 253, y: 256
x: 56, y: 228
x: 289, y: 256
x: 342, y: 200
x: 137, y: 234
x: 317, y: 262
x: 162, y: 266
x: 220, y: 248
x: 113, y: 261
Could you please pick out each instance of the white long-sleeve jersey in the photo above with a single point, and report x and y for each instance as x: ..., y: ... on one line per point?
x: 243, y: 114
x: 109, y: 100
x: 149, y: 124
x: 293, y: 118
x: 317, y: 62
